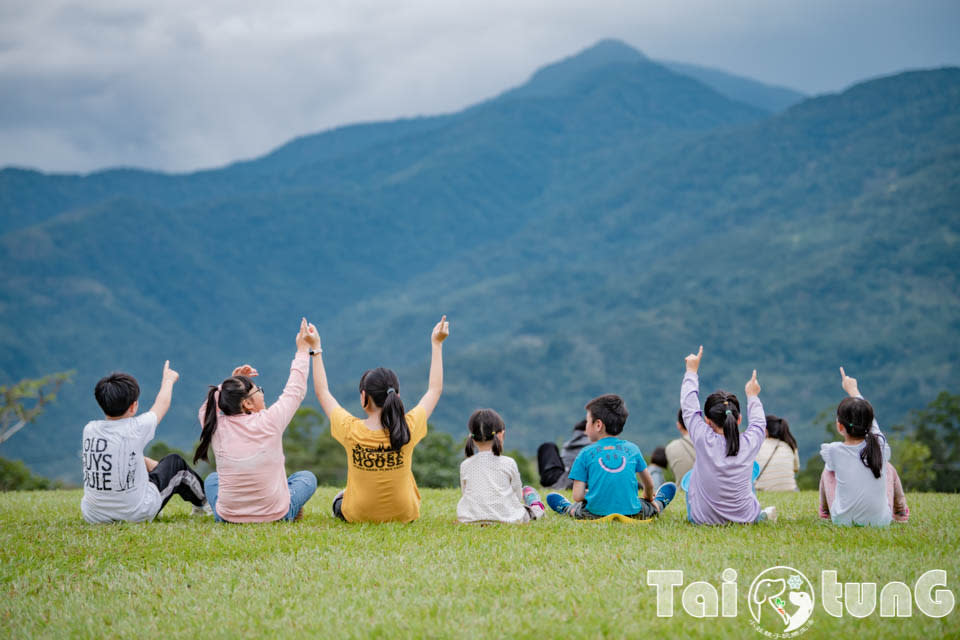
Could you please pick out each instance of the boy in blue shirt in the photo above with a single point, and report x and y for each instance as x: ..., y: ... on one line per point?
x: 605, y: 472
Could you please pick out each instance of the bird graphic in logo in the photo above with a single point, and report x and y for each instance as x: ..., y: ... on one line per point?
x: 612, y: 461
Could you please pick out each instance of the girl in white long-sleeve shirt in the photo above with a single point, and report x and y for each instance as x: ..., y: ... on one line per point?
x: 490, y: 482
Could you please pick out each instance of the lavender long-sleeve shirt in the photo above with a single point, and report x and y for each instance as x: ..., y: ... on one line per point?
x: 720, y: 488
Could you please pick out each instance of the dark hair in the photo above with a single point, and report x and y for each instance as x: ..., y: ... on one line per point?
x: 856, y: 416
x: 580, y: 426
x: 484, y: 425
x: 680, y: 418
x: 233, y: 390
x: 659, y: 457
x: 779, y: 428
x: 723, y: 409
x: 382, y: 386
x: 610, y: 410
x: 116, y: 393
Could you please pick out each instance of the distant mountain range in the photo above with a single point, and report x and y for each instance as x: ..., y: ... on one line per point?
x: 583, y: 232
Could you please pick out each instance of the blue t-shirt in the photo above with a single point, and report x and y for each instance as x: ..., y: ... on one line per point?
x: 610, y: 466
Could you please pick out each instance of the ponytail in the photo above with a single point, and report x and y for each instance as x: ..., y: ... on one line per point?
x: 723, y: 409
x: 872, y: 454
x: 856, y: 416
x: 383, y: 389
x: 209, y: 426
x: 228, y: 398
x: 484, y: 425
x: 394, y: 419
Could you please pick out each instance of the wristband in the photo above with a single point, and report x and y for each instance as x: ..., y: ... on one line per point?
x: 315, y: 353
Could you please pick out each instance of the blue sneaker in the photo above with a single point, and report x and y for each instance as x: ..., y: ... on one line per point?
x: 558, y: 503
x: 665, y: 494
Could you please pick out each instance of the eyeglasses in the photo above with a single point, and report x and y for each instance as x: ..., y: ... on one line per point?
x: 256, y: 389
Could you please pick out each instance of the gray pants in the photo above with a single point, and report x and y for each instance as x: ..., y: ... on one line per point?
x: 579, y: 511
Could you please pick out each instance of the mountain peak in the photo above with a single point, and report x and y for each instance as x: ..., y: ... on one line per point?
x: 554, y: 78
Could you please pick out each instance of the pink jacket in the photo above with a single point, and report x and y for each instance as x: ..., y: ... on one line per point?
x: 249, y: 454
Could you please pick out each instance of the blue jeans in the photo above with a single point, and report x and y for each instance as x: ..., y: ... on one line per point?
x: 302, y: 484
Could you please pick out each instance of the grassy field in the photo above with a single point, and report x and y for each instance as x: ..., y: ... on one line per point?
x: 182, y: 576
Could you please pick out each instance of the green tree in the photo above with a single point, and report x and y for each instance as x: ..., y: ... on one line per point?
x: 20, y: 404
x: 437, y: 460
x: 16, y: 476
x: 937, y: 427
x: 914, y: 464
x: 809, y: 477
x: 308, y: 445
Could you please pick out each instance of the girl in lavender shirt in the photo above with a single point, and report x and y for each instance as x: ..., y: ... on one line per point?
x: 721, y: 481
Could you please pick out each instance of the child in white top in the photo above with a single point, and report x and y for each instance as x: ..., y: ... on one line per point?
x: 859, y: 486
x: 490, y: 482
x: 119, y: 482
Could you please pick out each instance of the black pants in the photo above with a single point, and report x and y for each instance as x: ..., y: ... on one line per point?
x: 173, y: 475
x: 553, y: 474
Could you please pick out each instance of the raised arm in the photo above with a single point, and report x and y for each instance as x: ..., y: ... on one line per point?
x: 320, y: 386
x: 162, y: 404
x: 756, y: 431
x: 280, y: 413
x: 850, y: 386
x: 435, y: 386
x: 690, y: 397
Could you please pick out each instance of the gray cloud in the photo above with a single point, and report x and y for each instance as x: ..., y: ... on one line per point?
x: 180, y: 85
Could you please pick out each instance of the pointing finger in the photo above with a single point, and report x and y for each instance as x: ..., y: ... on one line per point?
x: 700, y: 353
x: 842, y: 374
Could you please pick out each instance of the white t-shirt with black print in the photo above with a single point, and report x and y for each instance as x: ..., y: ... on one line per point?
x: 116, y: 485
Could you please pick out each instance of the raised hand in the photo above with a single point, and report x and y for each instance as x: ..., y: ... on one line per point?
x: 753, y: 387
x: 302, y: 344
x: 849, y: 384
x: 245, y: 370
x: 693, y: 361
x: 440, y: 331
x: 313, y: 337
x: 169, y: 375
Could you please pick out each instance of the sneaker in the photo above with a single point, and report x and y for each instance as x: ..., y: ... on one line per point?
x: 202, y: 510
x: 770, y: 514
x: 335, y: 498
x: 665, y: 494
x: 558, y: 503
x: 531, y: 498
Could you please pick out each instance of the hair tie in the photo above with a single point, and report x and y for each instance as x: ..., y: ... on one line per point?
x: 391, y: 390
x: 728, y: 412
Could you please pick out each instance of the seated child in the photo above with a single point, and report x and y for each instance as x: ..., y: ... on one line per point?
x: 117, y: 484
x: 859, y: 486
x: 554, y: 463
x: 379, y: 449
x: 246, y: 436
x: 605, y: 472
x: 680, y: 452
x: 721, y: 481
x: 657, y: 466
x: 490, y: 482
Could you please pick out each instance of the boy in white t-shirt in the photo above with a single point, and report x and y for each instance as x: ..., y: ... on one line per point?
x: 119, y: 483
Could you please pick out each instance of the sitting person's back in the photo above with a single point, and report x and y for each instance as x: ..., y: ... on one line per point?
x: 490, y: 485
x: 778, y: 458
x: 605, y: 474
x: 681, y: 454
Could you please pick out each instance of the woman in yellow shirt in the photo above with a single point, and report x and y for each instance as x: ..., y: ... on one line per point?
x: 379, y: 447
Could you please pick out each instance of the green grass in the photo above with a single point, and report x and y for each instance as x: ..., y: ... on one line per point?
x: 182, y: 576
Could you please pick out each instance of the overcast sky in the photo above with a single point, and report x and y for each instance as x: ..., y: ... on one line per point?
x: 184, y: 84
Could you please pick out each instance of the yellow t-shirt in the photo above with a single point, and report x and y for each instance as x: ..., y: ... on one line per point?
x: 380, y: 482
